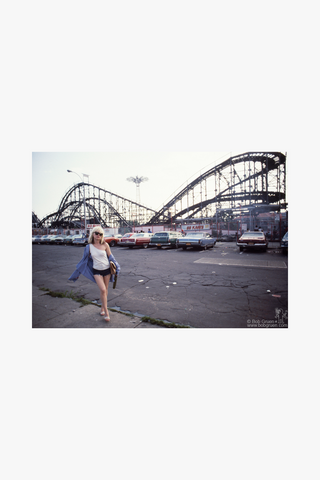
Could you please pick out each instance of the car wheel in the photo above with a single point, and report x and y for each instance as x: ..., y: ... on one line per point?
x: 112, y: 244
x: 145, y: 245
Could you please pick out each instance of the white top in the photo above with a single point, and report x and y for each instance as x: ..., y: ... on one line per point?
x: 100, y: 259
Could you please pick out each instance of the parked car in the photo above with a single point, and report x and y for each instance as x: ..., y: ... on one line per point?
x: 137, y: 240
x: 113, y: 241
x: 59, y: 240
x: 52, y: 239
x: 79, y: 240
x: 254, y: 240
x: 198, y: 240
x: 68, y: 240
x: 45, y: 239
x: 122, y: 242
x: 36, y: 239
x: 165, y: 239
x: 284, y: 243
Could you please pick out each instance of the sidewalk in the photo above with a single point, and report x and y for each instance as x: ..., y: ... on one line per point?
x: 54, y: 312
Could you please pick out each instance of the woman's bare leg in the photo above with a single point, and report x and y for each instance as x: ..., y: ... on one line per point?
x: 106, y: 280
x: 103, y: 292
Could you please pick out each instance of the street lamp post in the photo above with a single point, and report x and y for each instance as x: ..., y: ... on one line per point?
x: 84, y: 198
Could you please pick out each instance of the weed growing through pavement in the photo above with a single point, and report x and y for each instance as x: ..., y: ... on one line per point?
x: 163, y: 323
x: 67, y: 294
x: 84, y: 301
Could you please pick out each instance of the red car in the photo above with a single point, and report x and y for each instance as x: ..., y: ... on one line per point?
x: 136, y: 240
x: 111, y: 240
x: 123, y: 240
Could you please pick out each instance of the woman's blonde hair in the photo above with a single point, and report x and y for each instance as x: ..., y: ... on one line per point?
x: 96, y: 229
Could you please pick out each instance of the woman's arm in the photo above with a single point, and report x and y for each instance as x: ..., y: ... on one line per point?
x: 108, y: 250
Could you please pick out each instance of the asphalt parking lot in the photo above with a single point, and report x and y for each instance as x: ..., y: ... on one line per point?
x: 216, y: 288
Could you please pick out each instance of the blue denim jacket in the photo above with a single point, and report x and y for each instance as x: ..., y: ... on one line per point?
x: 85, y: 267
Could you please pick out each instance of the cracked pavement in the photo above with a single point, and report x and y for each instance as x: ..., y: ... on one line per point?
x: 216, y: 288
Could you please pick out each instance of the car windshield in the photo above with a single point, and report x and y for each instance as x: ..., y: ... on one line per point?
x: 161, y: 234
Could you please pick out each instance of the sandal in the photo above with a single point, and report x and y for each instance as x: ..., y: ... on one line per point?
x: 102, y: 313
x: 107, y: 319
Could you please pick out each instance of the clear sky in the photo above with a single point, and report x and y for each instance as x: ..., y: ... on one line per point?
x: 166, y: 173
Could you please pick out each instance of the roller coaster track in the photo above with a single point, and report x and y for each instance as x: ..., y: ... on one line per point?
x: 253, y: 177
x: 257, y: 178
x: 102, y: 207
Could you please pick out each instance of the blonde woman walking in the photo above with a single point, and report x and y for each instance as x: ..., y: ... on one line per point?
x: 95, y: 265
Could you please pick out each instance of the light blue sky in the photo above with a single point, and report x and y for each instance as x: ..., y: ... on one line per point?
x: 166, y: 173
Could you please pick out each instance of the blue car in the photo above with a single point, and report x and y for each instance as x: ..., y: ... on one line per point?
x: 196, y: 240
x: 80, y: 240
